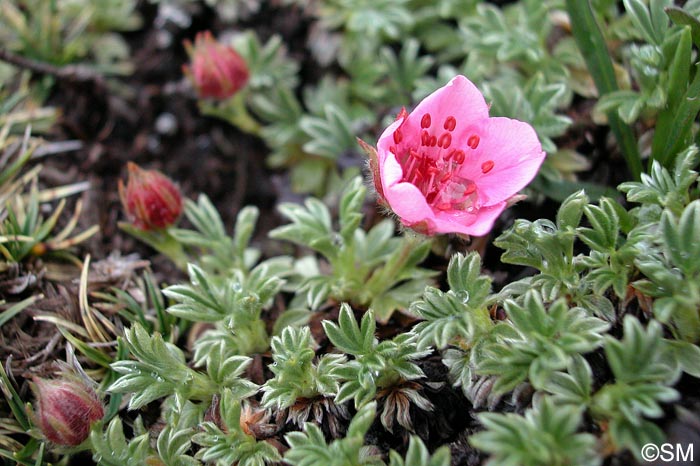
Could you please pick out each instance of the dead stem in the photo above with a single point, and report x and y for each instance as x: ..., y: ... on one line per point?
x: 72, y: 73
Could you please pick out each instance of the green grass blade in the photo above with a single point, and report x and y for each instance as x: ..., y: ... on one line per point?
x: 595, y: 51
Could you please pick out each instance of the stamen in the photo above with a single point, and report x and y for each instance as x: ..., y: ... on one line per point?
x: 459, y: 156
x: 432, y: 171
x: 445, y: 140
x: 473, y: 141
x: 398, y: 136
x: 433, y: 141
x: 425, y: 138
x: 417, y: 177
x: 450, y: 123
x: 412, y: 156
x: 487, y: 166
x: 425, y: 121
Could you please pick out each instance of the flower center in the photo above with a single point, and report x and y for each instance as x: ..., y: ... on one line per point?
x: 434, y: 165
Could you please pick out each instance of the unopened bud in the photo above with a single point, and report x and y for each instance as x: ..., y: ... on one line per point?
x: 151, y: 200
x: 216, y: 70
x: 66, y: 408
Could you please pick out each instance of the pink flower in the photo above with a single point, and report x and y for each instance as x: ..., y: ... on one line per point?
x: 447, y: 167
x: 216, y: 70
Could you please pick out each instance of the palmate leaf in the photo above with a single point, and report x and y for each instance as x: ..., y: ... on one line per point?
x: 269, y: 66
x: 605, y: 226
x: 539, y: 244
x: 218, y: 253
x: 309, y: 448
x: 681, y: 244
x: 110, y: 448
x: 465, y: 279
x: 641, y: 356
x: 330, y: 135
x: 226, y: 370
x: 545, y: 435
x: 350, y: 208
x: 644, y: 371
x: 373, y: 269
x: 173, y: 446
x: 200, y: 301
x: 232, y: 445
x: 158, y: 371
x: 368, y: 18
x: 347, y: 336
x: 447, y: 318
x: 672, y: 272
x: 405, y: 69
x: 398, y: 281
x: 461, y: 312
x: 311, y: 227
x: 295, y: 374
x: 546, y: 341
x: 663, y: 187
x: 377, y: 366
x: 418, y: 454
x: 574, y: 386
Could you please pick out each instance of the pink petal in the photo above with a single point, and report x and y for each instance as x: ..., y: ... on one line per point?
x: 459, y: 98
x: 386, y: 141
x: 515, y: 151
x: 476, y: 224
x: 404, y: 198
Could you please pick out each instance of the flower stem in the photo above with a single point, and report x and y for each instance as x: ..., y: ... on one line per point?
x: 234, y: 111
x: 161, y: 241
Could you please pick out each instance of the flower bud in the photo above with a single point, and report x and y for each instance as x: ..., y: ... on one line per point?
x: 151, y: 200
x: 216, y: 70
x: 66, y: 408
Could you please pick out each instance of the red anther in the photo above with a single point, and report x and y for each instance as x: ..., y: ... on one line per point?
x: 470, y: 189
x: 459, y: 156
x: 431, y: 197
x: 446, y: 177
x: 473, y: 141
x: 445, y: 140
x: 425, y: 121
x: 398, y: 136
x: 392, y: 149
x: 425, y: 138
x: 486, y: 166
x: 450, y: 155
x: 450, y: 123
x: 402, y: 114
x: 433, y: 141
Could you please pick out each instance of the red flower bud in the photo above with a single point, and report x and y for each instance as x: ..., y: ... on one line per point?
x: 66, y: 408
x: 150, y: 199
x: 216, y: 70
